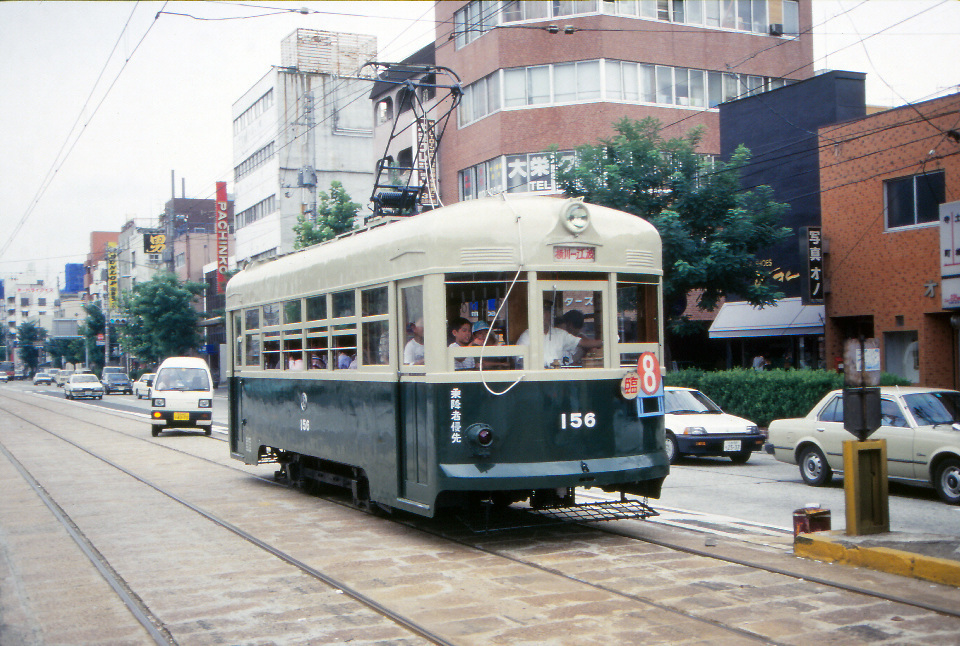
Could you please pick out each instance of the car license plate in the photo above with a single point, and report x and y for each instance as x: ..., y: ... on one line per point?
x: 731, y: 445
x: 185, y: 417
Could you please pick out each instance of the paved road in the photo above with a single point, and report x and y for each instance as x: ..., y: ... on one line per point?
x: 761, y: 491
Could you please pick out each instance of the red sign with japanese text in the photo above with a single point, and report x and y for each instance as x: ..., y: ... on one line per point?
x: 223, y: 237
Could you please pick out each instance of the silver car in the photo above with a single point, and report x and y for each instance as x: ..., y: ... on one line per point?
x: 921, y: 427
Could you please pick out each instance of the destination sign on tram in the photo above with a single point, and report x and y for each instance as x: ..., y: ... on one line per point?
x: 574, y: 254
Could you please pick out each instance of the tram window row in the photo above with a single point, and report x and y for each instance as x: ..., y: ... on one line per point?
x: 377, y: 328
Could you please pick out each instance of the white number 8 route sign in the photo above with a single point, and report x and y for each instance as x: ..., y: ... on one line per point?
x: 649, y: 369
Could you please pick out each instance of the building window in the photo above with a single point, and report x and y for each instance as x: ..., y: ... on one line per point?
x: 249, y: 115
x: 384, y: 111
x: 474, y: 20
x: 254, y: 161
x: 914, y: 200
x: 257, y: 211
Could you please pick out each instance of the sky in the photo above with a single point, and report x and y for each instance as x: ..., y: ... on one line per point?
x: 100, y: 101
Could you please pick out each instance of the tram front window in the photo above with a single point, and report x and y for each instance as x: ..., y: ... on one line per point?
x: 572, y: 329
x: 495, y: 306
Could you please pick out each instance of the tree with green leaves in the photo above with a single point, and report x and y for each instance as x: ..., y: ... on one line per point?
x: 336, y: 214
x: 65, y: 350
x: 29, y: 337
x: 91, y: 328
x: 711, y: 228
x: 161, y: 319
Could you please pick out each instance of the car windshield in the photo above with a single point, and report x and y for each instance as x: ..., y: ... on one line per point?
x: 679, y: 402
x: 182, y: 379
x: 116, y: 377
x: 83, y: 379
x: 934, y: 408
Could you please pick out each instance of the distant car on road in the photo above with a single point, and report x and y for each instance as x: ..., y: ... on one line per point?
x: 83, y: 385
x: 3, y: 377
x: 141, y: 387
x: 694, y: 425
x: 42, y: 378
x: 921, y: 427
x: 117, y: 383
x: 62, y: 377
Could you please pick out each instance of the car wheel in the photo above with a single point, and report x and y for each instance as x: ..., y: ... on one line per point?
x: 670, y: 443
x: 814, y: 468
x: 741, y: 457
x: 947, y: 481
x: 155, y: 430
x: 207, y: 431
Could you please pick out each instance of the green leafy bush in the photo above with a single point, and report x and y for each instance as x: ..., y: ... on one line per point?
x: 763, y: 396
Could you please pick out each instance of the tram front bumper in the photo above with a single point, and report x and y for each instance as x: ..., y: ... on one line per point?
x: 567, y: 473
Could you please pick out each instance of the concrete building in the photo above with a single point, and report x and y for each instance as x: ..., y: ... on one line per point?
x: 780, y: 129
x: 189, y: 229
x: 303, y: 125
x: 139, y: 255
x: 542, y: 74
x: 892, y: 255
x: 26, y: 299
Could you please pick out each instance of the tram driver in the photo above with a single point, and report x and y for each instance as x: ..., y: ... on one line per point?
x: 559, y: 346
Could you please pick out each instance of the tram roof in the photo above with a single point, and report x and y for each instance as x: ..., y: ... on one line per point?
x: 486, y: 235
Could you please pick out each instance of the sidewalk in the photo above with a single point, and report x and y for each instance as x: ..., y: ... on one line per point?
x: 932, y: 557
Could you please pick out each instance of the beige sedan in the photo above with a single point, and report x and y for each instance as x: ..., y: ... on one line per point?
x: 920, y: 426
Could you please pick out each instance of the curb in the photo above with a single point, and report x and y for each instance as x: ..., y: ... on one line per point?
x: 828, y: 547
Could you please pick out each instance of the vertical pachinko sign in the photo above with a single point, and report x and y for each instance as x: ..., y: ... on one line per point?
x: 223, y: 237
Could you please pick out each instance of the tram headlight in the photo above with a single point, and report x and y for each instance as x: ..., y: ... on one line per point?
x: 575, y: 217
x: 482, y: 437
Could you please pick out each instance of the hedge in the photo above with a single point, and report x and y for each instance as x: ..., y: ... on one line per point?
x: 763, y: 396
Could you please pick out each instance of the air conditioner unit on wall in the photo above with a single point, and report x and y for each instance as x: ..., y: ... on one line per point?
x: 776, y: 29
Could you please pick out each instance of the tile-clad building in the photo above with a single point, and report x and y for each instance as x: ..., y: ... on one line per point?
x: 883, y: 179
x: 542, y: 74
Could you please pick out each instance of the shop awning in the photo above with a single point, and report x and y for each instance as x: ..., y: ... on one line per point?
x: 789, y: 317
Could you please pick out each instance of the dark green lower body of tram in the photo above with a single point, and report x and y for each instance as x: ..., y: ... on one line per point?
x: 422, y: 446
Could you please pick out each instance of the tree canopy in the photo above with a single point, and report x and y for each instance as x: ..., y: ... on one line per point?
x: 336, y: 214
x: 90, y: 329
x: 65, y: 350
x: 29, y: 337
x: 161, y: 320
x: 711, y: 228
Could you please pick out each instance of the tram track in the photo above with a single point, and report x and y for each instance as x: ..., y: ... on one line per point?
x: 429, y: 527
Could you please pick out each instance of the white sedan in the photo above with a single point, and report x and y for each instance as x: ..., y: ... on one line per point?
x: 83, y: 385
x: 694, y: 425
x: 920, y: 426
x: 141, y: 387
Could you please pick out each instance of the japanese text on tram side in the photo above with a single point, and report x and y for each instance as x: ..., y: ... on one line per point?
x: 455, y: 436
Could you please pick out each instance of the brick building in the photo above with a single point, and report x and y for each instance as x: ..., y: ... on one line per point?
x: 541, y: 74
x: 883, y: 179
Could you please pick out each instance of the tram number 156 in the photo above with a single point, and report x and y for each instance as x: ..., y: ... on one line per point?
x: 576, y: 420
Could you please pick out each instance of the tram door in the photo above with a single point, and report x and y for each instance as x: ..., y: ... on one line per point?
x: 413, y: 441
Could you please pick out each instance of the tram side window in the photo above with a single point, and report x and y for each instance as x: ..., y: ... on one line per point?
x: 637, y: 314
x: 271, y: 314
x: 411, y: 316
x: 477, y: 298
x: 271, y: 350
x: 251, y: 319
x: 318, y: 346
x: 375, y: 326
x: 343, y: 335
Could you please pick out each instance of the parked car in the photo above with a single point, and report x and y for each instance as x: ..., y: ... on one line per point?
x: 694, y: 425
x: 83, y: 385
x: 141, y: 387
x: 116, y: 382
x: 921, y: 427
x: 62, y: 377
x: 42, y: 378
x: 3, y: 377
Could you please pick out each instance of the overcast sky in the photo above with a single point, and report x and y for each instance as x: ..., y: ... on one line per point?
x: 86, y: 146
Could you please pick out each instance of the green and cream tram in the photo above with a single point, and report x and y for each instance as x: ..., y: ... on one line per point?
x: 343, y: 368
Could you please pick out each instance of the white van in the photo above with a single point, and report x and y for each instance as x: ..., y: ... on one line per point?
x: 182, y: 395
